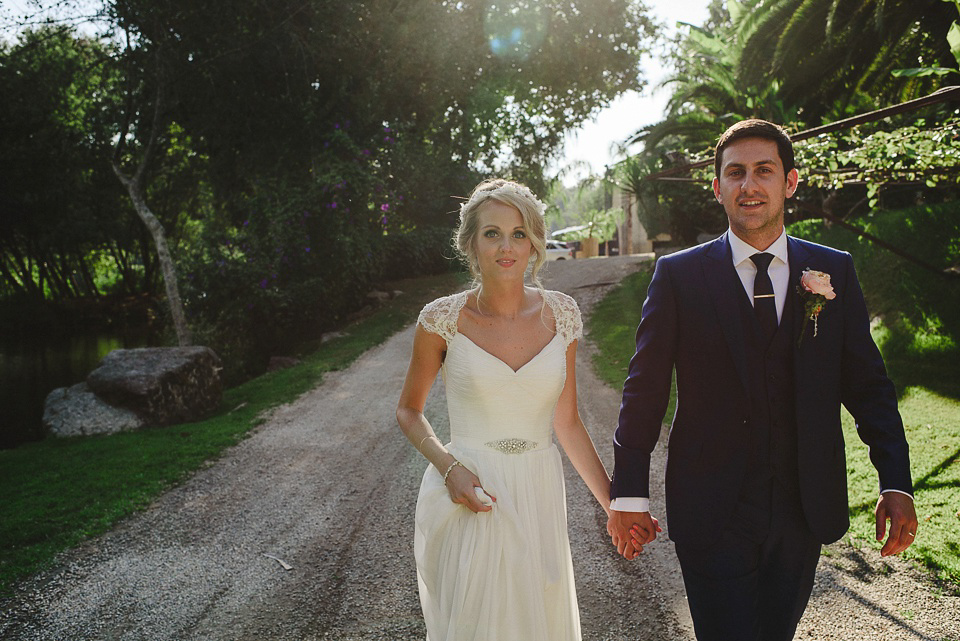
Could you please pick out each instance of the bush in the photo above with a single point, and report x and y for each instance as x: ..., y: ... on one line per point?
x: 296, y: 265
x: 920, y: 310
x: 422, y: 251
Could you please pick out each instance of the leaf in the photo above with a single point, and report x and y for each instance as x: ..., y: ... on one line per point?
x: 953, y: 39
x: 922, y: 71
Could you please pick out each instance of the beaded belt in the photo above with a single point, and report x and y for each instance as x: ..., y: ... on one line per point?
x: 512, y: 445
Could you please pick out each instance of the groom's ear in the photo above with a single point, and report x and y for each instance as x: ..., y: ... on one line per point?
x: 716, y: 190
x: 793, y: 180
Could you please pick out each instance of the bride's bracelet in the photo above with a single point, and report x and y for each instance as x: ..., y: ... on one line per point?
x: 422, y: 440
x: 450, y: 469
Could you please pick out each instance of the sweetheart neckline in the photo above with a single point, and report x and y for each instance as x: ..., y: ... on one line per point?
x: 503, y: 362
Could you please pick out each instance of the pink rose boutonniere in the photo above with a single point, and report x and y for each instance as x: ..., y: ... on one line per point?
x: 815, y: 290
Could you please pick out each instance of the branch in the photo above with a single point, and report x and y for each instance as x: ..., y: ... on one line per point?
x: 816, y: 211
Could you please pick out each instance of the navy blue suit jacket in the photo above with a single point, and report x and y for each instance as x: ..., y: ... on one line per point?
x: 691, y: 321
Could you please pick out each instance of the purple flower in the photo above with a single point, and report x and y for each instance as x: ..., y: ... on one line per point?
x: 384, y: 207
x: 263, y: 284
x: 333, y: 205
x: 306, y: 249
x: 365, y: 152
x: 383, y: 221
x: 246, y: 222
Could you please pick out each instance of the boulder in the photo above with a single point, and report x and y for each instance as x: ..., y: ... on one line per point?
x: 76, y: 411
x: 161, y: 385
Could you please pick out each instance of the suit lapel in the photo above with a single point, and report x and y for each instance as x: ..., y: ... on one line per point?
x: 799, y: 256
x: 725, y: 289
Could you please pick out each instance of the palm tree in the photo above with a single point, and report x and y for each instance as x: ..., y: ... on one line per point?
x: 708, y: 93
x: 836, y: 57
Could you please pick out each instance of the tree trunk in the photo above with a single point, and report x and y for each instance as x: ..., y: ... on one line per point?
x: 11, y: 280
x: 163, y: 253
x: 20, y: 267
x: 626, y: 249
x: 89, y: 283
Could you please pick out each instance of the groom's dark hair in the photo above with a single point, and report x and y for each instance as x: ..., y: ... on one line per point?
x: 755, y: 128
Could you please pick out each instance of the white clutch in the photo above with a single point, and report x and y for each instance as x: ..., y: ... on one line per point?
x: 482, y: 496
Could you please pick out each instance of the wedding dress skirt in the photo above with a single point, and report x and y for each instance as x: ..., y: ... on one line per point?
x: 506, y: 574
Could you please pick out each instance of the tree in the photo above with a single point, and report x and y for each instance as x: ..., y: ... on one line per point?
x: 834, y: 58
x: 362, y: 119
x: 57, y: 199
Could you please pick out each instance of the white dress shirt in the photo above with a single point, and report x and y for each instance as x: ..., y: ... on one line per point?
x: 779, y: 269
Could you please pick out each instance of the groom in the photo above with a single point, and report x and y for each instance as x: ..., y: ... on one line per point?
x: 756, y: 475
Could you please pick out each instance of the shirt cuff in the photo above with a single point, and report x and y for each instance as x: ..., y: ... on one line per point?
x: 630, y: 504
x: 890, y: 490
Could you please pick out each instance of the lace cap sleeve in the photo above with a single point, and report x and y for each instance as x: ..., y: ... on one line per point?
x: 566, y: 314
x: 440, y: 316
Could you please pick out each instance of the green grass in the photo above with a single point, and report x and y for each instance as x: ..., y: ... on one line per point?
x: 932, y: 424
x: 613, y: 328
x: 923, y: 362
x: 58, y: 492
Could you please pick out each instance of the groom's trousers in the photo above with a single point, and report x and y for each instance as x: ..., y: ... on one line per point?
x: 754, y: 582
x: 751, y: 580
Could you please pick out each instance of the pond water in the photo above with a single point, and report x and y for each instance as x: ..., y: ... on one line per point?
x: 29, y: 370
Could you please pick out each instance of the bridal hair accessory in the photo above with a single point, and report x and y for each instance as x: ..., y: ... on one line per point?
x: 514, y: 189
x: 815, y: 289
x: 450, y: 469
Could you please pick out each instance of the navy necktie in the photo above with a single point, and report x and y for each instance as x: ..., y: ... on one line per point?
x: 764, y: 302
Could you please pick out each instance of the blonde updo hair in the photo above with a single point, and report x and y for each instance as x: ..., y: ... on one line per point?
x: 509, y: 193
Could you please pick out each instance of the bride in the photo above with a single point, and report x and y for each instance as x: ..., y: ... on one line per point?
x: 493, y: 557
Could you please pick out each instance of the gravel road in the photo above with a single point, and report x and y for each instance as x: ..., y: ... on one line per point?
x: 326, y: 487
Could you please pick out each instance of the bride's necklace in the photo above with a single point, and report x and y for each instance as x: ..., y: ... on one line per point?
x: 480, y: 311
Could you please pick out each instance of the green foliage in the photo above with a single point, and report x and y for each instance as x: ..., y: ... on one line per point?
x: 58, y: 197
x: 598, y: 223
x: 424, y: 250
x: 684, y: 210
x: 296, y: 266
x: 836, y: 57
x: 613, y: 326
x: 59, y: 492
x: 912, y: 153
x: 921, y: 310
x: 275, y: 115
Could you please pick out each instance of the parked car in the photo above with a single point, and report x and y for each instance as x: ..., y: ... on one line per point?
x: 557, y: 250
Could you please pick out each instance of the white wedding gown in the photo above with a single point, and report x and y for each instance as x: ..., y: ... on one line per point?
x: 503, y: 575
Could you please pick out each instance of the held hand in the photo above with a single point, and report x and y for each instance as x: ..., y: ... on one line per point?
x: 903, y: 522
x: 630, y: 531
x: 462, y: 484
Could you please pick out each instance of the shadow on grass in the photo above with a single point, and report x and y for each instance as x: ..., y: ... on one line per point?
x: 913, y: 362
x: 924, y: 482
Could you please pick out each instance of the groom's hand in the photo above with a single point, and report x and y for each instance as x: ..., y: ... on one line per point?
x: 630, y: 531
x: 898, y: 508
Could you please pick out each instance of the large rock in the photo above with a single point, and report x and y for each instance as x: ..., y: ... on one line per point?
x: 76, y: 411
x: 162, y: 385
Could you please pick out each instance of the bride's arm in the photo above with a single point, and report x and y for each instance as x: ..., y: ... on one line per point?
x: 575, y: 440
x: 425, y: 362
